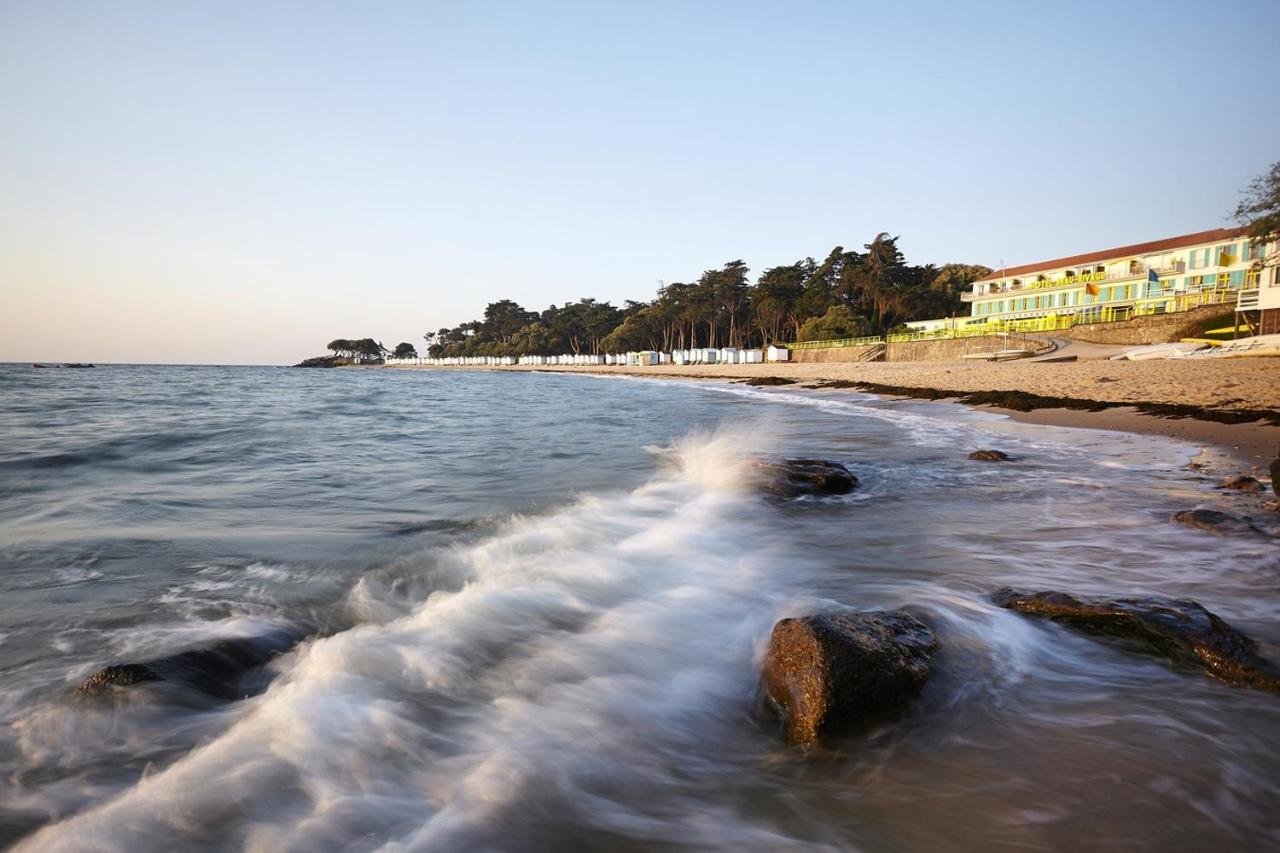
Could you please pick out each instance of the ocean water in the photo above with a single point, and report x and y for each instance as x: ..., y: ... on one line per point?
x: 537, y: 604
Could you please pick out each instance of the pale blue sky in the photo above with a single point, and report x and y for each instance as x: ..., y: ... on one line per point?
x: 236, y: 182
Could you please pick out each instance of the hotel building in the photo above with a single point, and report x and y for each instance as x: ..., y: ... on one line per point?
x: 1174, y: 274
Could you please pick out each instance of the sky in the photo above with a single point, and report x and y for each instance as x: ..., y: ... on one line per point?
x: 193, y: 182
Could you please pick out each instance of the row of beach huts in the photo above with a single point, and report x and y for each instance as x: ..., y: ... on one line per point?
x: 642, y: 358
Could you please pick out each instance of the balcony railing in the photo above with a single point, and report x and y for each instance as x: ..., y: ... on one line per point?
x: 1140, y: 271
x: 1249, y: 300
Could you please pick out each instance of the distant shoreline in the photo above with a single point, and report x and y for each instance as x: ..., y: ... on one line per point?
x: 1191, y: 400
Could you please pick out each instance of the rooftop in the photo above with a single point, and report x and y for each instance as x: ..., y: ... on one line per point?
x: 1211, y: 236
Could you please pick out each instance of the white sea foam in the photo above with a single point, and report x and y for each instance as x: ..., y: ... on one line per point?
x: 607, y: 647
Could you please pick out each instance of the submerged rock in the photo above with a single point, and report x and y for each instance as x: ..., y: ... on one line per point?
x: 1275, y: 476
x: 989, y: 455
x: 1213, y: 521
x: 1179, y: 629
x: 1242, y: 483
x: 823, y: 673
x: 217, y: 670
x: 792, y: 478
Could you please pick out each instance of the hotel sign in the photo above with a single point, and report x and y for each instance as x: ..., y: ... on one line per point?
x: 1087, y: 278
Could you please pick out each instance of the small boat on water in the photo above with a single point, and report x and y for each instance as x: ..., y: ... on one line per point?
x: 76, y: 364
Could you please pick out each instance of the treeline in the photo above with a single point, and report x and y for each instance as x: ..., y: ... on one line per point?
x: 368, y: 348
x: 849, y: 294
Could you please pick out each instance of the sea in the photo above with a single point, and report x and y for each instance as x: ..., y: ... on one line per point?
x: 534, y: 608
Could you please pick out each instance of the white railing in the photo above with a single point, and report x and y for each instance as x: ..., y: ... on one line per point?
x: 1248, y: 300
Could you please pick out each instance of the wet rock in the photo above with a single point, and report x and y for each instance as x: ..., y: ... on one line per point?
x: 1275, y: 476
x: 989, y: 455
x: 1214, y: 521
x: 219, y: 669
x: 824, y: 673
x: 1242, y: 483
x: 793, y: 478
x: 1178, y: 629
x: 765, y: 381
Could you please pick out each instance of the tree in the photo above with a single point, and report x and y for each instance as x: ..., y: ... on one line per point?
x: 881, y: 269
x: 1259, y: 211
x: 504, y: 318
x: 775, y: 299
x: 405, y: 350
x: 838, y: 323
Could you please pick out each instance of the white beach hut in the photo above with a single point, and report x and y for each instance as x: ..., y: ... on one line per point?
x: 776, y: 353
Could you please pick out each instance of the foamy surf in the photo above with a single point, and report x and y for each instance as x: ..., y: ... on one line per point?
x: 583, y: 674
x: 608, y: 646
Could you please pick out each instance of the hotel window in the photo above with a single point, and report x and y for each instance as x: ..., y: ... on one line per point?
x: 1251, y: 278
x: 1224, y: 279
x: 1254, y: 251
x: 1199, y: 258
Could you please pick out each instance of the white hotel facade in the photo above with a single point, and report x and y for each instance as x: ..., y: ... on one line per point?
x: 1208, y: 267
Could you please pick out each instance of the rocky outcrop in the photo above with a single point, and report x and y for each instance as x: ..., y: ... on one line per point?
x: 221, y: 670
x: 989, y: 456
x: 766, y: 381
x: 1242, y: 483
x: 825, y: 673
x: 1275, y: 476
x: 1214, y: 521
x: 1178, y: 629
x: 793, y: 478
x: 320, y: 361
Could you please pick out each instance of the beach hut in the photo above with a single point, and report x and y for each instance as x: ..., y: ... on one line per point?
x: 647, y: 358
x: 710, y: 355
x: 728, y: 355
x: 753, y: 356
x: 664, y: 358
x: 776, y: 353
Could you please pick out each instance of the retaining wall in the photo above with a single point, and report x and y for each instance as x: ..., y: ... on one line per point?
x: 832, y: 354
x: 1151, y: 329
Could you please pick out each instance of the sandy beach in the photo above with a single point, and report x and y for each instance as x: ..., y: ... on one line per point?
x: 1224, y: 385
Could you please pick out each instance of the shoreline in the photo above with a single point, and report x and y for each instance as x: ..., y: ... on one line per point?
x: 1239, y: 433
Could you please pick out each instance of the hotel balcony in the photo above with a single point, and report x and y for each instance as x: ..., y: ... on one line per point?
x: 1028, y: 287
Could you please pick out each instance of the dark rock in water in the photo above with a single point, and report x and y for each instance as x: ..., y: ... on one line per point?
x: 765, y: 381
x: 1242, y: 483
x: 1213, y: 521
x: 1275, y: 476
x: 792, y: 478
x: 216, y: 670
x: 989, y: 455
x: 1178, y: 629
x: 824, y: 673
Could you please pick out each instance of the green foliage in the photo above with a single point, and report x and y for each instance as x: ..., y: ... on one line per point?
x: 361, y: 348
x: 848, y: 294
x: 405, y: 350
x: 838, y: 323
x: 1259, y: 210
